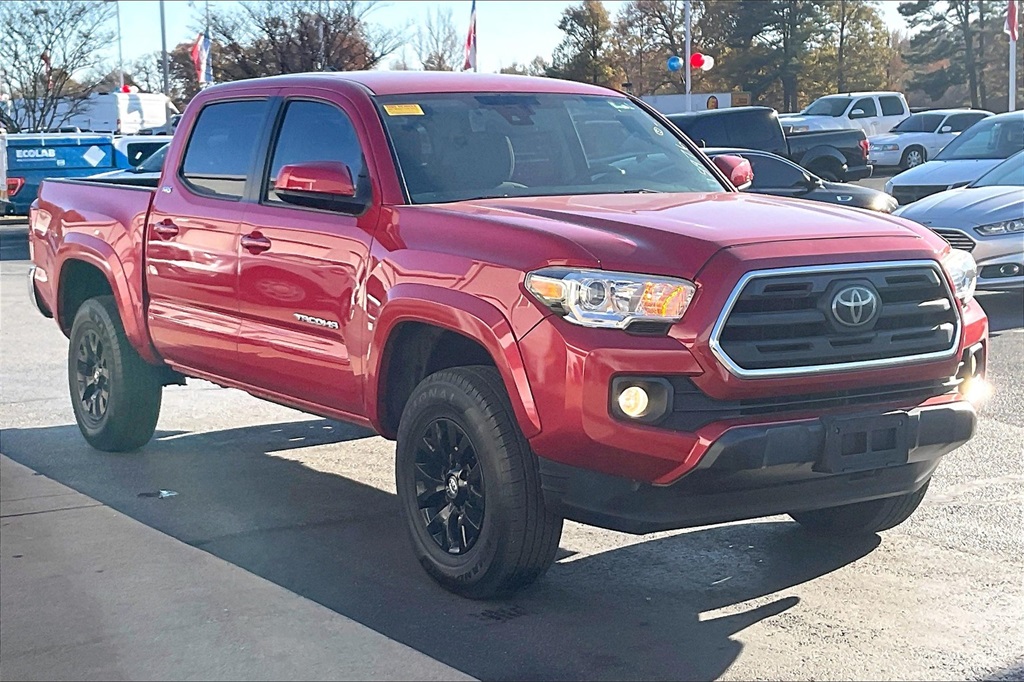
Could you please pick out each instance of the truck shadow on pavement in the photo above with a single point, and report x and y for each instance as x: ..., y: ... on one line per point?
x: 639, y: 611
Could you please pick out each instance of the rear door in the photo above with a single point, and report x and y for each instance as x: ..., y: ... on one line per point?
x: 893, y: 110
x: 192, y: 238
x: 301, y: 276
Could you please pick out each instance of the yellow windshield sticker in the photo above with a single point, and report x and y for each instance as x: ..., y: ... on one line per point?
x: 403, y: 109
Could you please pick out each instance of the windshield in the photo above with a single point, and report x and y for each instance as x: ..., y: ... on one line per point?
x: 919, y: 123
x: 827, y: 106
x: 991, y: 138
x: 1009, y: 173
x: 154, y: 163
x: 458, y: 146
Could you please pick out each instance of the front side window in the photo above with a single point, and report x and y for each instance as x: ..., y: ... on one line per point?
x: 828, y: 106
x: 988, y: 139
x: 772, y: 173
x: 865, y: 104
x: 458, y: 146
x: 220, y: 150
x: 311, y: 132
x: 891, y: 106
x: 918, y: 123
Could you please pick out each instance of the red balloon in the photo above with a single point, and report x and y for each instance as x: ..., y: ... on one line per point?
x: 124, y: 88
x: 696, y: 60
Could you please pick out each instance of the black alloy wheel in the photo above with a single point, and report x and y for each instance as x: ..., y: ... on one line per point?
x: 449, y: 486
x: 93, y: 377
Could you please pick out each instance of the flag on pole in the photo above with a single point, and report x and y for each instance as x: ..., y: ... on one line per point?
x: 201, y: 59
x: 470, y: 62
x: 1011, y: 20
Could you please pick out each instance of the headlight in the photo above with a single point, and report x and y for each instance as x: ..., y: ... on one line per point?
x: 597, y: 298
x: 1005, y: 227
x: 963, y: 271
x: 885, y: 147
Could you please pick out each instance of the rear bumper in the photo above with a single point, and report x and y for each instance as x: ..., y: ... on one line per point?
x: 858, y: 172
x: 756, y: 471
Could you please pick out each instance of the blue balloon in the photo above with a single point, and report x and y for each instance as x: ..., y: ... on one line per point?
x: 674, y: 63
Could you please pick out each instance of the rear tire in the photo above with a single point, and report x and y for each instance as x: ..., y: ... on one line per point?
x: 827, y: 173
x: 914, y: 156
x: 862, y: 518
x: 114, y: 392
x: 469, y: 486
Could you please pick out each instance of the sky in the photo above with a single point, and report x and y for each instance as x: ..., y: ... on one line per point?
x: 507, y: 30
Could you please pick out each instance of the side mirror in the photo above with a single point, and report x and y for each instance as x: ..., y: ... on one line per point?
x: 810, y: 182
x: 736, y: 168
x: 946, y: 129
x: 323, y: 184
x: 858, y: 113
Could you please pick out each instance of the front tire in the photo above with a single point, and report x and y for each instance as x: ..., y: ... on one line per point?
x: 913, y: 157
x: 862, y: 518
x: 115, y: 393
x: 469, y: 486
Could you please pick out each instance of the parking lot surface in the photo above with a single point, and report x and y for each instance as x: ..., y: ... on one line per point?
x: 282, y: 555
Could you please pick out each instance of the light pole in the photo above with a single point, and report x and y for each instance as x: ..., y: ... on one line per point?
x: 120, y: 59
x: 163, y: 46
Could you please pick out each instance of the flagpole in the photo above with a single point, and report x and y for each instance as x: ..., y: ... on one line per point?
x: 1012, y: 26
x: 163, y: 46
x: 686, y: 4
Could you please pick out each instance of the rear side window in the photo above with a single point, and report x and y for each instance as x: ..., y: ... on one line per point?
x: 961, y: 122
x: 754, y: 130
x: 137, y: 152
x: 314, y: 131
x: 220, y: 151
x: 891, y: 106
x: 704, y: 130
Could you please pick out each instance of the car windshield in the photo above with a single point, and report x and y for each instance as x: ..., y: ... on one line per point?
x: 919, y: 123
x: 1009, y: 173
x: 155, y: 162
x: 990, y: 138
x: 458, y: 146
x: 827, y: 106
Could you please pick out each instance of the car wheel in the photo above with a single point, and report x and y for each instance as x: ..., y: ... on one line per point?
x: 914, y: 156
x: 862, y: 518
x: 114, y: 392
x: 469, y: 486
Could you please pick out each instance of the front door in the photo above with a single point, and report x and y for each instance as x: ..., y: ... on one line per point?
x: 192, y: 239
x: 302, y: 270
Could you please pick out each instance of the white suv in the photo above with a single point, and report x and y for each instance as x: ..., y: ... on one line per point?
x: 872, y: 112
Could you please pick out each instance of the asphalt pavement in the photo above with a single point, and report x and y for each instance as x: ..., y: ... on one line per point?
x: 281, y: 555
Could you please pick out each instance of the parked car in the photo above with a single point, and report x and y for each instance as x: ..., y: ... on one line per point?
x: 872, y: 112
x: 970, y: 155
x: 780, y: 177
x: 836, y: 155
x: 921, y: 136
x: 31, y: 157
x: 554, y: 302
x: 985, y: 218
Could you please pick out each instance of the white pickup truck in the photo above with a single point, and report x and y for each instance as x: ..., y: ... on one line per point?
x: 872, y: 112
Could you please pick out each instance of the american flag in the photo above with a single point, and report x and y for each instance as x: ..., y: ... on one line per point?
x: 1011, y: 20
x: 470, y: 62
x: 201, y: 59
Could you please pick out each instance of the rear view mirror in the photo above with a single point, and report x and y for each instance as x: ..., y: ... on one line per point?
x: 321, y: 184
x: 736, y: 168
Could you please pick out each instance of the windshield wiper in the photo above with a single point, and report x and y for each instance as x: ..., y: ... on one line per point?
x: 641, y: 190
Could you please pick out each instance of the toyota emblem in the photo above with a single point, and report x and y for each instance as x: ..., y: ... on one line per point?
x: 854, y: 306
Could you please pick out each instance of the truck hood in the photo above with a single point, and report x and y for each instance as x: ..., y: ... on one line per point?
x: 674, y: 233
x: 945, y: 173
x: 967, y: 207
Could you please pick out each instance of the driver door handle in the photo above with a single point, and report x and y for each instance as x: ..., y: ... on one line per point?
x: 165, y: 228
x: 255, y: 243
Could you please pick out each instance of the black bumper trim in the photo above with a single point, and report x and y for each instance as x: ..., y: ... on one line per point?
x: 751, y: 472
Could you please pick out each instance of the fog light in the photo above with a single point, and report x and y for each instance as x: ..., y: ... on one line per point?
x: 976, y: 390
x: 633, y: 402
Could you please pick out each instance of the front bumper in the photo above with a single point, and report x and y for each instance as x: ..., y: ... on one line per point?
x: 889, y: 158
x: 33, y: 293
x: 756, y: 471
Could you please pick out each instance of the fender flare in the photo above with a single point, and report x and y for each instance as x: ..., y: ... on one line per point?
x: 96, y: 252
x: 816, y: 154
x: 464, y: 314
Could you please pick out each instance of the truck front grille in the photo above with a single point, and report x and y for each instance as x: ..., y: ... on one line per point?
x: 956, y: 238
x: 795, y: 321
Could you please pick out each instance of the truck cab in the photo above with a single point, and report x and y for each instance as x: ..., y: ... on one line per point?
x: 873, y: 112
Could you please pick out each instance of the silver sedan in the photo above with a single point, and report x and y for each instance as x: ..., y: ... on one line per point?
x: 986, y: 218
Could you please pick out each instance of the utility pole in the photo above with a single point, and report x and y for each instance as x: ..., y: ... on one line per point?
x: 688, y: 81
x: 120, y: 57
x: 163, y: 45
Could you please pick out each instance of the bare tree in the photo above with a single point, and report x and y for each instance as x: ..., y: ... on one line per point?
x: 51, y: 55
x: 438, y: 46
x: 267, y: 38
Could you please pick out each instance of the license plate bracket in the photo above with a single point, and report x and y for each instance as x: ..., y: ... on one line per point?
x: 863, y: 442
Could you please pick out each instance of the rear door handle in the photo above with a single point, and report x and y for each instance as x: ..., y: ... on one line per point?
x: 255, y: 243
x: 165, y: 228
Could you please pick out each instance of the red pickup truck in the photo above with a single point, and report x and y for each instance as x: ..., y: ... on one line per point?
x: 547, y: 295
